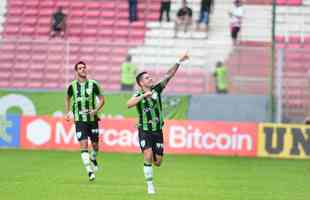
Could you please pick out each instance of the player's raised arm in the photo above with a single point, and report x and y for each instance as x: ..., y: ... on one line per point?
x: 171, y: 72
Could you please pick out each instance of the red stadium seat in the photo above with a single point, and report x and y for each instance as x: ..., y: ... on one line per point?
x: 7, y: 56
x: 16, y: 12
x: 46, y: 12
x: 88, y: 49
x: 280, y: 38
x: 91, y: 21
x: 8, y: 47
x: 47, y: 5
x: 294, y: 39
x: 121, y: 33
x: 106, y: 14
x: 13, y: 21
x: 29, y: 21
x: 88, y: 32
x: 106, y: 24
x: 78, y: 5
x: 16, y: 3
x: 23, y: 48
x: 93, y: 14
x: 63, y: 4
x: 30, y: 12
x: 43, y: 31
x: 18, y: 83
x: 27, y: 31
x: 4, y: 83
x: 77, y: 13
x: 94, y: 5
x: 108, y: 5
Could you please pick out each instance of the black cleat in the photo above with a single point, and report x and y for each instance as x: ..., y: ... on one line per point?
x: 91, y: 176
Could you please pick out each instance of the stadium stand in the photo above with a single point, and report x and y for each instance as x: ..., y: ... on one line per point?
x: 292, y: 30
x: 269, y: 2
x: 100, y: 34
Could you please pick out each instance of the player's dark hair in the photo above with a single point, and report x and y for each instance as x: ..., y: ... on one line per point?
x: 139, y: 77
x: 79, y: 63
x: 128, y: 58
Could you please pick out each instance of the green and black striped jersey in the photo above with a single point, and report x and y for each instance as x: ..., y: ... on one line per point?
x: 150, y: 109
x: 83, y: 97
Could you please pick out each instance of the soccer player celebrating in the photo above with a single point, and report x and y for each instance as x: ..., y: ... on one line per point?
x: 83, y: 92
x: 149, y: 107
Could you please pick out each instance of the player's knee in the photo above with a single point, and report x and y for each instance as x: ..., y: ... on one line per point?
x: 83, y: 144
x: 95, y: 146
x: 158, y: 163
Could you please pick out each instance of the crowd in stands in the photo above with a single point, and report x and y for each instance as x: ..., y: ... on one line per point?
x: 183, y: 18
x: 62, y: 20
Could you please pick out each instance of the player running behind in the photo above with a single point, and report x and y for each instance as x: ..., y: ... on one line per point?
x: 83, y: 93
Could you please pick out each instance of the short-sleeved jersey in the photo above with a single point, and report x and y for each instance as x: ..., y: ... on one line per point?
x: 83, y: 97
x: 150, y: 110
x: 221, y: 77
x: 58, y: 17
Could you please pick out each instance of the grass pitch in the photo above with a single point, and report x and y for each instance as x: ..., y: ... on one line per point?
x: 53, y: 175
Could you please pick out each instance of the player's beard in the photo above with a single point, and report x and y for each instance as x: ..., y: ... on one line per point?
x: 83, y: 76
x: 149, y: 84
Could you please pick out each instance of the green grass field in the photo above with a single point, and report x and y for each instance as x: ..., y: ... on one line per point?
x: 53, y: 175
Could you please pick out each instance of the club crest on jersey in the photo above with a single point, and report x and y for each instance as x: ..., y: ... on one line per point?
x: 79, y: 134
x: 154, y: 95
x: 142, y: 143
x: 88, y: 91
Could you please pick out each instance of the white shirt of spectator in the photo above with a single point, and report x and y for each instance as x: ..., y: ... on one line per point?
x: 236, y: 18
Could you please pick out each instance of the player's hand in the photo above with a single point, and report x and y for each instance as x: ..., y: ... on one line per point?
x: 68, y: 116
x: 93, y: 112
x: 184, y: 57
x: 147, y: 94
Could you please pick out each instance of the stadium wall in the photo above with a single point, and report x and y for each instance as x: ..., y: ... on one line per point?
x: 250, y: 108
x: 244, y: 108
x: 52, y: 103
x: 181, y: 137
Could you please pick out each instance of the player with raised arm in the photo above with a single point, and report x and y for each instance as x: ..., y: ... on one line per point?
x: 83, y: 93
x: 149, y: 106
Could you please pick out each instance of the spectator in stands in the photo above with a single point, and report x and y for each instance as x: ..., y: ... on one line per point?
x: 165, y: 7
x: 221, y: 78
x: 129, y: 71
x: 206, y: 7
x: 184, y: 17
x: 58, y: 23
x: 133, y: 9
x: 236, y: 15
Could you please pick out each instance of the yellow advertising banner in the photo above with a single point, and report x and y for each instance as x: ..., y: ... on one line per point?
x: 284, y: 141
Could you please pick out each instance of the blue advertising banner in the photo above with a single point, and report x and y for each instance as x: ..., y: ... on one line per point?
x: 9, y: 130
